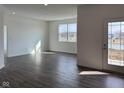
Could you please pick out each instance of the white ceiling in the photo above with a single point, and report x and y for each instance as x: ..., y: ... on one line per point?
x: 42, y: 12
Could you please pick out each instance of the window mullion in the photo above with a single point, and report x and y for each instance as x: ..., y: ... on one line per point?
x: 67, y: 32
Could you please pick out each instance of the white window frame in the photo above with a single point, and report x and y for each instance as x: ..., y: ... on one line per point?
x: 67, y: 32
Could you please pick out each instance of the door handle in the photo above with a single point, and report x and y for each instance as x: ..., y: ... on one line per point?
x: 105, y: 46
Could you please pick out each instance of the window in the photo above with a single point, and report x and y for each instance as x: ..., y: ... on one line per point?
x: 72, y: 32
x: 116, y: 43
x: 68, y: 32
x: 63, y: 32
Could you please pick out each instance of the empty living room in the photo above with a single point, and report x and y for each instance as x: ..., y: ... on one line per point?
x: 61, y: 46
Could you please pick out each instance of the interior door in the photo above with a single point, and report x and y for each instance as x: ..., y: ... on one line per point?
x: 113, y: 45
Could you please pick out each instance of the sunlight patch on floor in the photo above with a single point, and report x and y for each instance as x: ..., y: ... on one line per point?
x: 48, y: 52
x: 92, y: 73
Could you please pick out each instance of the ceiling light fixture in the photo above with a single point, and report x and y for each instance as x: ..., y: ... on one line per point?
x: 13, y: 13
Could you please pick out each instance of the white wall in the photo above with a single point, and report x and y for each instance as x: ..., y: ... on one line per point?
x: 24, y: 33
x: 54, y: 44
x: 1, y: 39
x: 91, y: 19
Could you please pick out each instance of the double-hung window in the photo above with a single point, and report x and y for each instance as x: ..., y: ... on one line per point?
x: 67, y: 32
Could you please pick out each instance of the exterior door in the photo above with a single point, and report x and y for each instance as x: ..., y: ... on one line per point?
x: 113, y: 45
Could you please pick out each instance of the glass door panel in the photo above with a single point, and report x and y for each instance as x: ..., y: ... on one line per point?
x: 115, y: 43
